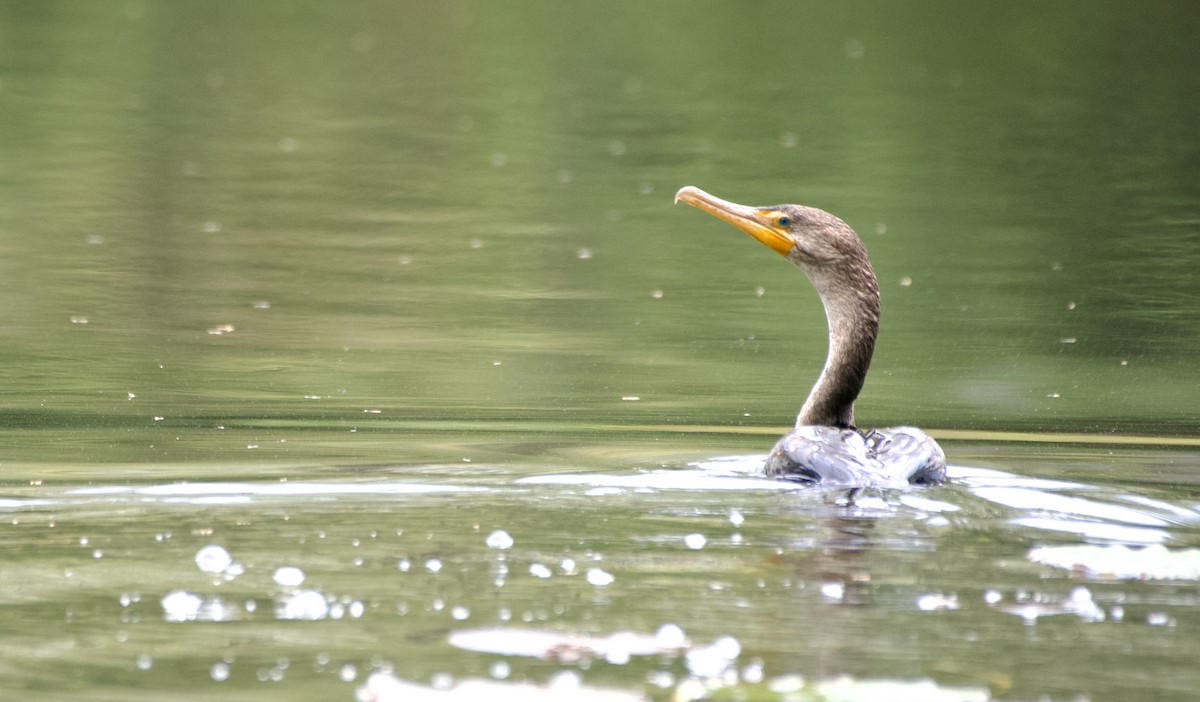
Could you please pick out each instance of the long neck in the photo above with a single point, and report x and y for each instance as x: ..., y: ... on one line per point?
x: 850, y: 294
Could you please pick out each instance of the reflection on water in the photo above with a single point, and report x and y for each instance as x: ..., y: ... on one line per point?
x: 660, y: 583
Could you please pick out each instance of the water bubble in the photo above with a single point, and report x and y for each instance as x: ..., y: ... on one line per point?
x: 736, y: 518
x: 500, y: 670
x: 1158, y: 619
x: 833, y: 591
x: 584, y: 254
x: 433, y: 565
x: 306, y: 605
x: 288, y: 576
x: 752, y: 673
x: 538, y: 570
x: 499, y: 539
x: 670, y: 636
x: 906, y: 282
x: 181, y: 606
x: 219, y: 671
x: 599, y: 578
x: 459, y: 612
x: 348, y: 672
x: 213, y: 559
x: 695, y: 541
x: 564, y: 682
x: 144, y: 662
x: 936, y: 601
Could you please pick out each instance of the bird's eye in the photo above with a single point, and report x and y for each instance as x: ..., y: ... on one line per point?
x: 784, y: 221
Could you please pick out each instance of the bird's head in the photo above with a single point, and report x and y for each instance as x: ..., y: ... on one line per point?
x: 810, y: 238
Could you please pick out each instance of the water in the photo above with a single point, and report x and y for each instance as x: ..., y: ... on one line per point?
x: 344, y: 289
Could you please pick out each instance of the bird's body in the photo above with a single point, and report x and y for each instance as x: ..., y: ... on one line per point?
x: 826, y: 447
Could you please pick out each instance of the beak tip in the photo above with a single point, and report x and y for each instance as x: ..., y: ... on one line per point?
x: 682, y: 192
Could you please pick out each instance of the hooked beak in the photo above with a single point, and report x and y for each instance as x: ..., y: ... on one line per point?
x: 758, y: 223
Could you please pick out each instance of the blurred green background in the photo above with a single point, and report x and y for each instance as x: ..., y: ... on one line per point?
x: 341, y: 226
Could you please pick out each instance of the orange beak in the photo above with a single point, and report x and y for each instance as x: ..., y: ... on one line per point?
x: 756, y: 222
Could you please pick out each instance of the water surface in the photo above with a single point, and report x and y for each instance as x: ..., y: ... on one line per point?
x: 349, y: 290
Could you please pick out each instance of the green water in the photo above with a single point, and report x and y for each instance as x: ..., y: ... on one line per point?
x: 433, y: 243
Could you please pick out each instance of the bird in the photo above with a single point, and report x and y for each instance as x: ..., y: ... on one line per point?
x: 826, y: 448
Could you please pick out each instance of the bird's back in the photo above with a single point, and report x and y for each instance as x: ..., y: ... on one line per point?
x: 833, y: 457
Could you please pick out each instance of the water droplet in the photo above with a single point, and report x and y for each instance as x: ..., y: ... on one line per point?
x: 213, y: 559
x: 219, y: 671
x: 499, y: 539
x: 599, y: 577
x: 288, y: 576
x: 833, y: 591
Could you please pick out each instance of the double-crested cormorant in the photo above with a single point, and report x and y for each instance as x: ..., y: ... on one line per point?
x: 826, y: 447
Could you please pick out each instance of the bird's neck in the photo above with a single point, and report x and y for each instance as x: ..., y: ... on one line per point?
x: 851, y: 300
